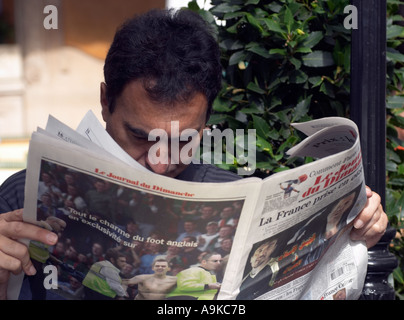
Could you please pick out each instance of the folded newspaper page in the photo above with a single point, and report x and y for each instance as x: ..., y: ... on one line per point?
x: 127, y: 233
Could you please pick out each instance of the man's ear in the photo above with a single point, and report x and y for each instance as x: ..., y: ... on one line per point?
x: 104, y: 101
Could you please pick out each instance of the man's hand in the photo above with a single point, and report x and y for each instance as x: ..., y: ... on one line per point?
x: 371, y: 223
x: 215, y: 285
x: 14, y: 256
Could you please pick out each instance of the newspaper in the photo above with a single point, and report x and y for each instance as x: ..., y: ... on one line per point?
x: 288, y: 234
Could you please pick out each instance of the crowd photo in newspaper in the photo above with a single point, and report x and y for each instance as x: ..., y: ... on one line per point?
x: 126, y: 233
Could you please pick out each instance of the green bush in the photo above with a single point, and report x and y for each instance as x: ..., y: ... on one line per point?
x: 289, y: 60
x: 284, y: 61
x: 395, y: 151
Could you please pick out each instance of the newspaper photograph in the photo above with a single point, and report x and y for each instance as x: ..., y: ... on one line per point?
x: 304, y: 212
x: 129, y: 234
x: 97, y: 219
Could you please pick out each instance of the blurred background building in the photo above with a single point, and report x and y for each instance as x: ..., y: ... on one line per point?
x: 54, y: 71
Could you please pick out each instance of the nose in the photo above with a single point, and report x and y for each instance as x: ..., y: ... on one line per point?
x: 158, y: 159
x: 159, y: 168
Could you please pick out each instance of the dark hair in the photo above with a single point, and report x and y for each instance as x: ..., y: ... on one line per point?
x: 208, y: 255
x: 113, y: 254
x: 174, y: 53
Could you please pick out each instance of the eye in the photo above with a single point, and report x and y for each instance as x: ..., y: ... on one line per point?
x: 137, y: 140
x: 136, y: 134
x: 140, y: 138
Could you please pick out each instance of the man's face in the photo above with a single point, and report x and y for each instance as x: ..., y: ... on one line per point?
x: 160, y: 267
x: 189, y: 226
x: 212, y: 263
x: 136, y: 115
x: 227, y: 212
x: 212, y: 228
x: 206, y: 212
x: 226, y: 244
x: 120, y: 262
x: 263, y: 254
x: 99, y: 186
x: 335, y: 216
x: 225, y: 231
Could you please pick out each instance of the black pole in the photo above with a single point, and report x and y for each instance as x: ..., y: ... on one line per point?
x: 368, y: 110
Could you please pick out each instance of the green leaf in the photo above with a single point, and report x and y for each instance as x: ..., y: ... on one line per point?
x: 193, y: 5
x: 395, y: 31
x: 230, y: 44
x: 395, y: 56
x: 301, y: 109
x: 316, y: 81
x: 224, y: 8
x: 216, y: 119
x: 275, y: 101
x: 289, y: 21
x: 327, y: 89
x: 280, y: 169
x: 254, y: 22
x: 303, y: 50
x: 274, y: 26
x: 296, y: 62
x: 273, y: 134
x: 283, y: 116
x: 257, y: 49
x: 274, y: 6
x: 290, y: 142
x: 298, y: 77
x: 261, y: 126
x: 398, y: 275
x: 318, y: 59
x: 251, y: 110
x: 282, y: 52
x: 391, y: 166
x: 399, y: 182
x: 208, y: 16
x: 313, y: 39
x: 395, y: 102
x: 222, y: 105
x: 254, y: 87
x: 395, y: 2
x: 236, y: 57
x: 264, y: 145
x: 232, y: 15
x: 252, y: 2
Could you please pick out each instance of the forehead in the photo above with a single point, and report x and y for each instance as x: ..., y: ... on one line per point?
x: 213, y: 257
x: 138, y: 109
x: 266, y: 246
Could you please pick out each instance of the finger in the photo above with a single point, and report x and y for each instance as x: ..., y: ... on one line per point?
x: 373, y: 231
x: 369, y: 192
x: 10, y: 263
x: 24, y: 230
x: 366, y: 215
x: 16, y: 215
x: 365, y: 227
x: 14, y: 256
x: 374, y: 235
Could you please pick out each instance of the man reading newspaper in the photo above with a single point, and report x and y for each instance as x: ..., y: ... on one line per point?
x: 162, y: 67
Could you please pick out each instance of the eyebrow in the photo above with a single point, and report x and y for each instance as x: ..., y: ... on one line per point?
x: 193, y: 134
x: 136, y: 131
x: 144, y: 135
